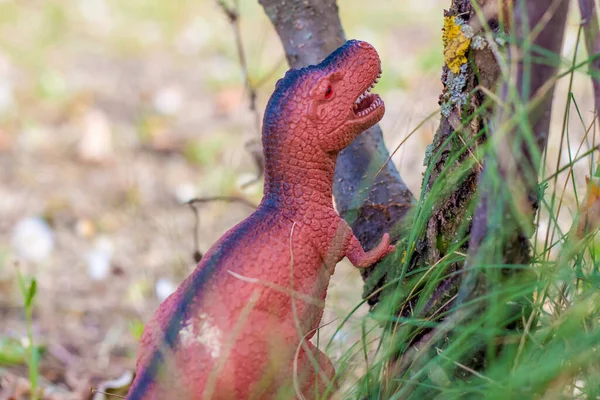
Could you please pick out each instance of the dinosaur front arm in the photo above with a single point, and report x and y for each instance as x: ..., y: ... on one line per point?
x: 361, y: 258
x: 343, y: 243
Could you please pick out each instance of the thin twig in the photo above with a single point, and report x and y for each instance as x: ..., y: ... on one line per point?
x: 233, y: 15
x: 201, y: 200
x: 230, y: 199
x: 253, y: 146
x: 94, y: 391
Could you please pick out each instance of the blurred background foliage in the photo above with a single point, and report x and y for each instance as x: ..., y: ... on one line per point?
x: 114, y: 113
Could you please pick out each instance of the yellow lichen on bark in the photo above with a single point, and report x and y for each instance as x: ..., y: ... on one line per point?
x: 593, y: 196
x: 456, y: 45
x: 589, y: 220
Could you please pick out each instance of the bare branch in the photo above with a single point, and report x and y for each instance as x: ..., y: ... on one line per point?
x: 201, y: 200
x: 233, y: 16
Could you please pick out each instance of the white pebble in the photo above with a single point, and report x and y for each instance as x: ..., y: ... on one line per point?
x: 185, y: 192
x: 98, y: 262
x: 99, y: 259
x: 168, y: 100
x: 33, y: 239
x: 95, y: 145
x: 164, y: 288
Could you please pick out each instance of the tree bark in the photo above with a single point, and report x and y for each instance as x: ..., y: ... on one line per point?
x: 515, y: 158
x: 456, y: 178
x: 518, y: 162
x: 309, y: 31
x: 591, y: 30
x: 504, y: 217
x: 450, y: 184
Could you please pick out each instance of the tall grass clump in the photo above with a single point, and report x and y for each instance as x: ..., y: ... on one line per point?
x: 528, y: 328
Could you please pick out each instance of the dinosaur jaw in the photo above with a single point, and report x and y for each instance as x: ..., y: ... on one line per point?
x: 368, y: 106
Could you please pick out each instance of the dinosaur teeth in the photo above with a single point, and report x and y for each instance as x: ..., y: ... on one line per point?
x: 362, y: 96
x: 373, y: 103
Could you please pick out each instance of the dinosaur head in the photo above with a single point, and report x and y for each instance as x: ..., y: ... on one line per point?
x: 326, y: 105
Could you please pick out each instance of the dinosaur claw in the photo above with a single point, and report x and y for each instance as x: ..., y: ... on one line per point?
x: 385, y: 242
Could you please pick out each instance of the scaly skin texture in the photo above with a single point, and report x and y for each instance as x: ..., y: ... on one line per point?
x: 238, y: 326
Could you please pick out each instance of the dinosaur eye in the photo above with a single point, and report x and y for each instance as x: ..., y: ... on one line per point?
x: 328, y: 92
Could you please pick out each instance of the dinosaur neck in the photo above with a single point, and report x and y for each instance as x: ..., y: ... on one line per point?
x: 298, y: 182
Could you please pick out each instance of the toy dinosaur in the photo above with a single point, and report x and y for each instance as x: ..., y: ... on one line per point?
x: 239, y: 326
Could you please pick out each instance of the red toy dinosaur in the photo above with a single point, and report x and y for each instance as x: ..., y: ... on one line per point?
x: 238, y: 326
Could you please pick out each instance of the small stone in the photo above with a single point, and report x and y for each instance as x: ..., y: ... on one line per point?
x: 185, y: 192
x: 168, y: 100
x: 95, y: 145
x: 99, y: 259
x: 164, y: 288
x: 120, y: 383
x: 98, y: 263
x: 85, y: 228
x: 33, y: 239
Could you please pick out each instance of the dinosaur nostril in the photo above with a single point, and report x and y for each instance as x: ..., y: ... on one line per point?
x: 364, y: 45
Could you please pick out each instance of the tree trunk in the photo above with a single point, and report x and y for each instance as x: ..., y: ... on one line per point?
x: 309, y: 31
x: 504, y: 218
x: 591, y: 30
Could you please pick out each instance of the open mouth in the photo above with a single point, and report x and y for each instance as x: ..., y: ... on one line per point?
x: 367, y: 102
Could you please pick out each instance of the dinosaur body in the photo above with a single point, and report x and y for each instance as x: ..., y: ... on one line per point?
x: 238, y: 326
